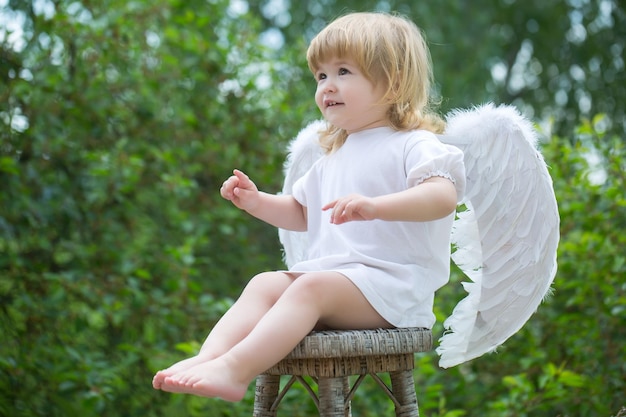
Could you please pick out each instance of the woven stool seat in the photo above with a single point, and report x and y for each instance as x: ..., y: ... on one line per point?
x: 331, y: 357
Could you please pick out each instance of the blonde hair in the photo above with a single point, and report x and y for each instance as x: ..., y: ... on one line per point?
x: 388, y: 49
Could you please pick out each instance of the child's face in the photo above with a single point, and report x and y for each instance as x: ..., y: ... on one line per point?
x: 347, y: 99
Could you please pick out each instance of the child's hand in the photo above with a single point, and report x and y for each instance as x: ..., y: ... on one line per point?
x: 350, y: 208
x: 241, y: 191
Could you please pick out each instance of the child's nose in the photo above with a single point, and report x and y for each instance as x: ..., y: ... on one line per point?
x: 329, y: 86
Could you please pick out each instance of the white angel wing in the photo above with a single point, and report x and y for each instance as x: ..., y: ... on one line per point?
x: 303, y: 151
x: 506, y: 240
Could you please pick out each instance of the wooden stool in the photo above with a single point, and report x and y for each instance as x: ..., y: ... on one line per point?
x: 331, y: 357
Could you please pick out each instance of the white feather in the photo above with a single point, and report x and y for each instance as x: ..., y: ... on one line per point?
x: 303, y: 151
x: 510, y: 194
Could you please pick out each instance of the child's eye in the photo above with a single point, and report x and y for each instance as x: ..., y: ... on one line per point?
x: 343, y: 71
x: 320, y: 76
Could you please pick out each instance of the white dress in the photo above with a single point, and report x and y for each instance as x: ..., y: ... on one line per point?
x: 397, y: 266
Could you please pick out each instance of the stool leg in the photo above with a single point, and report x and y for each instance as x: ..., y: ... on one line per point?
x: 346, y: 391
x: 403, y: 387
x: 332, y: 393
x: 266, y: 392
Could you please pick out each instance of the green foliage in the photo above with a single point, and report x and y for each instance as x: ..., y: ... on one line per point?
x: 119, y: 122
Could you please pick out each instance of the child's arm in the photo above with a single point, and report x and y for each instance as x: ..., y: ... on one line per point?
x: 431, y: 200
x: 278, y: 210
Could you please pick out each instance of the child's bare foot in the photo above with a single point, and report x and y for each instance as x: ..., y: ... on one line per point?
x: 208, y: 379
x: 181, y: 366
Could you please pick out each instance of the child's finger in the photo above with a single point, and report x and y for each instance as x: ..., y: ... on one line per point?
x: 244, y: 180
x: 228, y: 187
x: 329, y: 205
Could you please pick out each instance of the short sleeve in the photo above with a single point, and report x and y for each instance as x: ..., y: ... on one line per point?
x: 307, y: 183
x: 429, y: 158
x: 298, y: 190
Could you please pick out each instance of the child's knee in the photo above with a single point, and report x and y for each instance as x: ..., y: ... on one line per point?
x: 271, y: 284
x: 319, y: 284
x: 266, y: 278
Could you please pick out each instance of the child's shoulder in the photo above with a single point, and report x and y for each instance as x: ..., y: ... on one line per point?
x: 417, y: 134
x: 418, y: 137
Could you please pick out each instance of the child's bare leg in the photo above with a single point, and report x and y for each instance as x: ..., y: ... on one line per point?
x: 256, y: 299
x: 325, y: 297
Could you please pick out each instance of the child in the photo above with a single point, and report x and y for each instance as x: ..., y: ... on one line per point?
x: 378, y: 208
